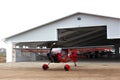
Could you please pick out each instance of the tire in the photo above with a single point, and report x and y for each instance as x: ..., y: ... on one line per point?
x: 67, y: 67
x: 45, y: 67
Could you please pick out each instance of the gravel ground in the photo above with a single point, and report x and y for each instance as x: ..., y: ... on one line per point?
x: 83, y: 71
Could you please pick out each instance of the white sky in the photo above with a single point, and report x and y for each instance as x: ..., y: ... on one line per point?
x: 19, y: 15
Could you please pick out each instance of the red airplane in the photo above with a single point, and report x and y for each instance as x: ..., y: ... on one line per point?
x: 61, y: 56
x: 64, y: 55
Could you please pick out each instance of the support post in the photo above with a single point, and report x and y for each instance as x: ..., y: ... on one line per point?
x: 8, y: 52
x: 117, y: 50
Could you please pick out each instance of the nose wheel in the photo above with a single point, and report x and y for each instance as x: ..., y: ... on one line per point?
x: 67, y: 67
x: 45, y: 66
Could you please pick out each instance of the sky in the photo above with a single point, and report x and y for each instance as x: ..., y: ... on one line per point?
x: 20, y: 15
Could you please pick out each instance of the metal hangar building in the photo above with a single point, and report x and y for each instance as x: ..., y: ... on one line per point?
x: 76, y: 30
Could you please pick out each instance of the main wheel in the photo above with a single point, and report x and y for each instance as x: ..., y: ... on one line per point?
x: 67, y: 67
x: 45, y: 66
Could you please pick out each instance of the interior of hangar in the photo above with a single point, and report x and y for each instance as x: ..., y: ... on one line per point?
x: 79, y: 30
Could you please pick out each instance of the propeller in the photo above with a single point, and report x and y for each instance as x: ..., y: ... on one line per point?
x: 49, y: 54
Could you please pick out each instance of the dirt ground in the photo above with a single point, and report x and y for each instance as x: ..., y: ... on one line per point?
x: 83, y: 71
x: 2, y: 59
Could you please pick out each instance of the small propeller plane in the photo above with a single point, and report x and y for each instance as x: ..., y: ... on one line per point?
x: 61, y: 56
x: 64, y: 55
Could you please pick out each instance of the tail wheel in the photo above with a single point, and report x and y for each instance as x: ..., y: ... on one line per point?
x: 45, y: 66
x: 67, y: 67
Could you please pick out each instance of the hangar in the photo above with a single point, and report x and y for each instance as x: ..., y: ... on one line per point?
x: 76, y: 30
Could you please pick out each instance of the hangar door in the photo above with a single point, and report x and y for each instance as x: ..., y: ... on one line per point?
x: 83, y: 36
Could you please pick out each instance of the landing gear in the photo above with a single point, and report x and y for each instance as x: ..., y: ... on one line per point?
x: 67, y: 67
x: 45, y: 66
x: 75, y: 64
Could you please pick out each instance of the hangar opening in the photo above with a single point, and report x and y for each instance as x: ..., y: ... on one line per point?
x: 90, y: 41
